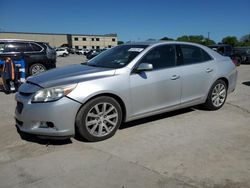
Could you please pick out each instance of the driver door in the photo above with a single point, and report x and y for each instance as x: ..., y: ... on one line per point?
x: 159, y: 88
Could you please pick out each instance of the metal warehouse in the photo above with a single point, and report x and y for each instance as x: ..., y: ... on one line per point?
x: 78, y: 41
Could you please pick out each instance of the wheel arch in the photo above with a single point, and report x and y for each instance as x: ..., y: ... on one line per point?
x: 114, y: 96
x: 225, y: 80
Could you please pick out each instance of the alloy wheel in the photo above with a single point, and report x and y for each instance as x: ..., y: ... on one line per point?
x: 218, y: 95
x: 101, y: 119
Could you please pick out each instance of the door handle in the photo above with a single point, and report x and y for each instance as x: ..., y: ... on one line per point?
x: 208, y: 70
x: 175, y: 77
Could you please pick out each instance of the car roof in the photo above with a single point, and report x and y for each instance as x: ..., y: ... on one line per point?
x: 152, y: 44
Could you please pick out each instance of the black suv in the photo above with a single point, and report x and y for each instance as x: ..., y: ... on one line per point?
x: 244, y: 52
x: 227, y: 50
x: 39, y: 56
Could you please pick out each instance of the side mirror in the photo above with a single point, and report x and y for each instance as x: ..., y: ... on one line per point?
x: 144, y: 67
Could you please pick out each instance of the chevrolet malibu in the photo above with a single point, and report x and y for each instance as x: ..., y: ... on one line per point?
x: 124, y: 83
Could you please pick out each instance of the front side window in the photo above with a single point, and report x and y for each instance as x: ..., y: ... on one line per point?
x: 193, y: 54
x: 161, y: 57
x: 117, y: 57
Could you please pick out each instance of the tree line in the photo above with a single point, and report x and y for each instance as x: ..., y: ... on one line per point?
x: 200, y: 39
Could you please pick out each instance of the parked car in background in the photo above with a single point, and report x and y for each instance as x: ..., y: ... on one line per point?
x: 227, y: 50
x: 62, y: 52
x: 244, y: 52
x: 94, y: 53
x: 124, y: 83
x: 39, y: 56
x: 82, y: 51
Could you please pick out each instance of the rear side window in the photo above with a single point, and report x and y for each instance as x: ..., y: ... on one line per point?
x: 161, y: 57
x: 193, y: 54
x: 15, y: 47
x: 1, y: 47
x: 35, y: 47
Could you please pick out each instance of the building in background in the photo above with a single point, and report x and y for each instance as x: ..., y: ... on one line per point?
x: 78, y: 41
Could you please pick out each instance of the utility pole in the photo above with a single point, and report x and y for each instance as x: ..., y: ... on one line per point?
x: 208, y: 35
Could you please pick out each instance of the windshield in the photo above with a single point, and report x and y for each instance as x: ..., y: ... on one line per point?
x: 117, y: 57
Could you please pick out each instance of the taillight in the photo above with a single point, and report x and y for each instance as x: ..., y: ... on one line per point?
x: 235, y: 62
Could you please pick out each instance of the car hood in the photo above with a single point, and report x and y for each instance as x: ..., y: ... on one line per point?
x: 69, y: 75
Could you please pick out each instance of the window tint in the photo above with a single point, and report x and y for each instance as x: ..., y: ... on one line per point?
x: 28, y: 48
x: 15, y: 47
x: 117, y: 57
x: 1, y: 47
x: 161, y: 57
x: 35, y: 47
x: 193, y: 54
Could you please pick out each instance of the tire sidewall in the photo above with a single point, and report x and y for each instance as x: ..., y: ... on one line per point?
x: 209, y: 104
x: 35, y: 64
x: 81, y: 117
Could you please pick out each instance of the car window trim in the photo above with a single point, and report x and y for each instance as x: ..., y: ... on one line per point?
x: 133, y: 71
x: 180, y: 63
x: 42, y: 48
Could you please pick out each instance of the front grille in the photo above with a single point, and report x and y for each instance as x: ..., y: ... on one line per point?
x: 25, y: 94
x: 19, y: 107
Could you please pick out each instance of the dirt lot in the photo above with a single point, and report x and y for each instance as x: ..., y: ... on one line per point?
x: 185, y: 148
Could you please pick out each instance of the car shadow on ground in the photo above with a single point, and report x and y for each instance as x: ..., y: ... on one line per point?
x: 149, y: 119
x: 156, y: 117
x: 43, y: 141
x: 247, y: 83
x: 139, y: 122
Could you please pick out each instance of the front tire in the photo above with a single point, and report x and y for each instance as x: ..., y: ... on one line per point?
x: 99, y: 118
x: 217, y: 96
x: 36, y: 69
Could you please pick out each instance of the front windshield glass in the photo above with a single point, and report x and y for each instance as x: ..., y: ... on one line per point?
x: 117, y: 57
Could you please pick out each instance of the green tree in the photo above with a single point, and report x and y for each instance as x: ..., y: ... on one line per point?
x: 167, y: 39
x: 183, y: 38
x: 245, y: 40
x: 231, y: 40
x: 207, y: 42
x: 192, y: 38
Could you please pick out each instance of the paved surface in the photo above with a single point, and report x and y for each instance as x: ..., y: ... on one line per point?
x: 185, y: 148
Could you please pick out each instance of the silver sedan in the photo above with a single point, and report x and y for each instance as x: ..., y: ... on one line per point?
x: 124, y: 83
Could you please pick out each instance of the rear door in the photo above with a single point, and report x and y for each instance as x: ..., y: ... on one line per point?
x: 197, y: 68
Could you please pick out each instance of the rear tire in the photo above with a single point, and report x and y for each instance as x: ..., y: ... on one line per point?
x: 99, y: 119
x: 216, y: 96
x: 36, y: 69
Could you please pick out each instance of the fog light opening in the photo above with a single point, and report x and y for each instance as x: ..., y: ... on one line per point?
x: 50, y: 125
x: 44, y: 124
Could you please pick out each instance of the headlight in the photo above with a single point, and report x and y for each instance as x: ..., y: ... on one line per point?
x: 52, y: 94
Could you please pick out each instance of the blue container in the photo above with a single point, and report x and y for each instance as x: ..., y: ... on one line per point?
x: 20, y: 67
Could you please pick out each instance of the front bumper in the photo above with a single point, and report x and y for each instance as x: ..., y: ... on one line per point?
x: 53, y: 119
